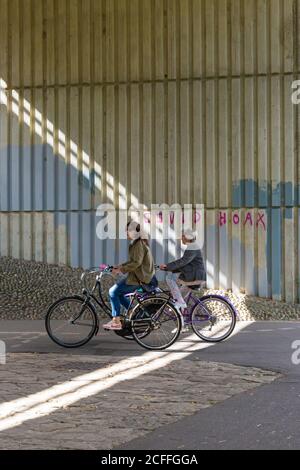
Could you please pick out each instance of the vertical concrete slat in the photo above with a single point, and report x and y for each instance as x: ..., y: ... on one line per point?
x: 249, y: 247
x: 110, y: 142
x: 85, y: 44
x: 159, y: 38
x: 27, y: 45
x: 237, y: 248
x: 185, y: 46
x: 15, y: 236
x: 135, y: 145
x: 290, y: 294
x: 122, y: 46
x: 27, y: 152
x: 262, y: 36
x: 249, y: 36
x: 86, y: 240
x: 196, y: 25
x: 249, y: 144
x: 51, y: 37
x: 275, y: 28
x: 224, y: 275
x: 236, y: 145
x: 4, y: 234
x: 15, y: 170
x: 74, y: 149
x: 276, y: 254
x: 211, y: 176
x: 173, y: 144
x: 15, y: 42
x: 110, y: 41
x: 262, y: 253
x: 147, y: 145
x: 185, y: 144
x: 27, y: 236
x: 61, y: 233
x: 61, y: 157
x: 290, y: 196
x: 288, y: 40
x: 38, y: 236
x: 236, y: 37
x: 74, y: 42
x: 276, y: 141
x: 133, y: 24
x: 98, y: 146
x: 173, y: 39
x: 50, y: 155
x: 263, y: 142
x: 212, y: 266
x: 86, y: 149
x: 98, y: 38
x: 61, y: 21
x: 198, y: 156
x: 223, y: 152
x: 222, y: 28
x: 38, y: 38
x: 210, y: 59
x: 38, y: 116
x: 50, y: 237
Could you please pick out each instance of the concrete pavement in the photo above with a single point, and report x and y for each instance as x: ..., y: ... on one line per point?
x: 206, y: 398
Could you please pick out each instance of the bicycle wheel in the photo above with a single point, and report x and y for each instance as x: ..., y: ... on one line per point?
x: 213, y: 319
x: 155, y: 323
x: 70, y: 322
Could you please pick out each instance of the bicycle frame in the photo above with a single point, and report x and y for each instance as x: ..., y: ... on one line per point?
x: 90, y: 296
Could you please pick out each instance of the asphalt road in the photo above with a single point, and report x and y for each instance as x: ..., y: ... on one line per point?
x: 266, y: 418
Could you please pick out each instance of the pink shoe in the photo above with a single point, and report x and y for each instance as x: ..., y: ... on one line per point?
x: 113, y: 326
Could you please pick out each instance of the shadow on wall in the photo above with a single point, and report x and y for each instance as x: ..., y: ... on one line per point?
x: 62, y: 179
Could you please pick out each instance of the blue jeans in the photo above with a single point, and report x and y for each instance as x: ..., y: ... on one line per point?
x: 117, y: 296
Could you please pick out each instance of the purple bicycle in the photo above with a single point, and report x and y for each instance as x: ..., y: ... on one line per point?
x: 211, y: 317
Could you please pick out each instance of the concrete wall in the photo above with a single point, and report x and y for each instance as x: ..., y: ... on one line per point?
x: 176, y: 101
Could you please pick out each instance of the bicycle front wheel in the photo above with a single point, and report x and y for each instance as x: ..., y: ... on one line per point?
x: 213, y: 319
x: 71, y: 322
x: 155, y: 323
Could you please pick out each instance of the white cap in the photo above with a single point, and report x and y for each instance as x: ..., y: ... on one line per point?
x: 190, y: 234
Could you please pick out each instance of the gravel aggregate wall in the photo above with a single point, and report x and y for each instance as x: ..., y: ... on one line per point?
x: 27, y: 288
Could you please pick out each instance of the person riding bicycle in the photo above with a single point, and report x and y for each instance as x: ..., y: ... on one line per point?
x: 140, y: 269
x: 190, y: 266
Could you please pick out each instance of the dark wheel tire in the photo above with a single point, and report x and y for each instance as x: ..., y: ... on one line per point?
x: 153, y: 305
x: 231, y: 313
x: 56, y: 313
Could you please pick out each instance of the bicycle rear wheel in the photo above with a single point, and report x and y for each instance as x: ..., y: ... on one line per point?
x: 213, y: 319
x: 71, y: 322
x: 155, y: 323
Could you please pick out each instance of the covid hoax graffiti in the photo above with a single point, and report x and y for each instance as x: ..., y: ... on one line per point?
x: 247, y: 219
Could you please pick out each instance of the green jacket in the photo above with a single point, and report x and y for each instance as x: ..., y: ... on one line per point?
x: 140, y: 267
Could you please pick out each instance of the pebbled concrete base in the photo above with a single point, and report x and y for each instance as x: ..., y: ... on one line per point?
x: 122, y: 411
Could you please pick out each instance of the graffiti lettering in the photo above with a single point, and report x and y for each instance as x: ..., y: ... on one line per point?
x: 247, y: 220
x: 171, y: 215
x: 260, y: 220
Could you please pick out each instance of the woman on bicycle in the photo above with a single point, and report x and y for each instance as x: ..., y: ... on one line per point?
x: 140, y: 269
x: 191, y: 269
x: 190, y: 266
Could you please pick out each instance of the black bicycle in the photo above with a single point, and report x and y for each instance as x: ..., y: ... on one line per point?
x: 151, y: 320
